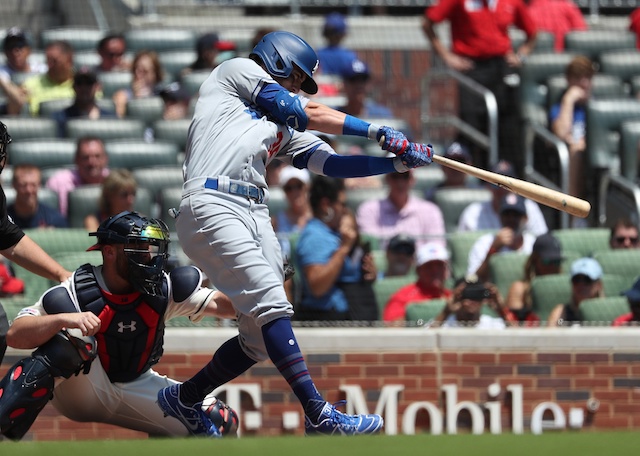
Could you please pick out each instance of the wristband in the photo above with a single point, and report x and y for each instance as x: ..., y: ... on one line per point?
x: 357, y: 127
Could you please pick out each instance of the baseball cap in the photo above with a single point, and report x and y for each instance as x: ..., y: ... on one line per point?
x: 357, y: 70
x: 505, y: 168
x: 588, y: 267
x: 633, y: 293
x: 401, y: 243
x: 431, y: 252
x: 85, y: 74
x: 458, y: 152
x: 174, y: 92
x: 513, y: 202
x: 291, y: 172
x: 548, y: 247
x: 15, y: 37
x: 207, y: 41
x: 336, y: 23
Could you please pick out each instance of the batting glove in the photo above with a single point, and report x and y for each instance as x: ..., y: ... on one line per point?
x: 394, y: 141
x: 416, y: 155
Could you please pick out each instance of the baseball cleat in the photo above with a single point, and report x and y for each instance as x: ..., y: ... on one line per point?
x: 331, y: 421
x: 194, y: 418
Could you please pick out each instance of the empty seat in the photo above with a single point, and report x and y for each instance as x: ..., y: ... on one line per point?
x: 629, y: 143
x: 172, y: 130
x: 30, y: 127
x: 602, y: 311
x: 621, y: 262
x: 44, y: 153
x: 420, y: 312
x: 157, y: 178
x: 159, y: 40
x: 548, y: 291
x: 191, y: 82
x: 82, y: 39
x: 624, y: 64
x: 357, y: 196
x: 89, y: 59
x: 106, y: 129
x: 130, y: 154
x: 73, y: 260
x: 174, y: 62
x: 593, y: 43
x: 452, y: 201
x: 506, y: 268
x: 545, y: 41
x: 582, y: 242
x: 147, y: 109
x: 50, y: 106
x: 62, y: 239
x: 459, y: 244
x: 427, y: 177
x: 112, y: 81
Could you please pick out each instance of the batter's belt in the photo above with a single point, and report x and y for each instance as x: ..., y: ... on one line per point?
x: 226, y: 185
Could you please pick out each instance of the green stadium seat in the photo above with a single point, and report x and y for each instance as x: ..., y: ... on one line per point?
x: 170, y: 197
x: 113, y: 81
x: 385, y: 287
x: 157, y: 178
x: 459, y: 245
x: 545, y: 41
x: 172, y: 130
x: 602, y: 311
x: 106, y: 129
x: 160, y: 39
x: 44, y: 153
x: 82, y: 39
x: 174, y: 62
x: 84, y: 201
x: 191, y: 82
x: 506, y: 268
x: 548, y: 291
x: 88, y: 58
x: 625, y: 64
x: 73, y: 260
x: 132, y: 154
x: 277, y: 200
x: 47, y: 108
x: 621, y: 262
x: 357, y: 196
x: 594, y: 43
x: 420, y: 312
x: 452, y: 201
x: 584, y: 241
x: 147, y: 109
x: 427, y: 177
x: 629, y: 141
x: 21, y: 128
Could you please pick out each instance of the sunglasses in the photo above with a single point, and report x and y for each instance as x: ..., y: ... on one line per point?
x: 622, y: 239
x: 581, y: 279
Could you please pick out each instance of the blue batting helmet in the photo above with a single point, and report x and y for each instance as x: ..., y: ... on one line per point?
x: 279, y: 51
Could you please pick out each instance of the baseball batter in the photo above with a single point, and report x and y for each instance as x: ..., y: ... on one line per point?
x: 249, y: 113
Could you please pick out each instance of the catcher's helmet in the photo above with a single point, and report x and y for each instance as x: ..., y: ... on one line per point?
x: 280, y: 51
x: 5, y: 140
x: 146, y: 264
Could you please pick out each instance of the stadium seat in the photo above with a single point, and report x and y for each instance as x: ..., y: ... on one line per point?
x: 602, y: 311
x: 45, y: 196
x: 385, y: 287
x: 73, y: 260
x: 506, y: 268
x: 594, y: 43
x: 50, y: 106
x: 629, y: 142
x: 172, y: 130
x: 452, y: 201
x: 160, y: 40
x: 357, y: 196
x: 89, y: 59
x: 21, y: 128
x: 132, y: 154
x: 113, y: 81
x: 427, y: 177
x: 621, y: 262
x: 191, y: 82
x: 583, y: 242
x: 106, y: 129
x: 170, y: 197
x: 147, y: 109
x: 459, y: 244
x: 624, y: 64
x: 420, y: 312
x: 62, y: 240
x: 44, y: 153
x: 604, y: 86
x: 548, y: 291
x: 19, y: 77
x: 613, y: 284
x: 157, y: 178
x: 545, y: 41
x: 174, y: 62
x: 84, y: 201
x: 277, y: 200
x: 81, y: 39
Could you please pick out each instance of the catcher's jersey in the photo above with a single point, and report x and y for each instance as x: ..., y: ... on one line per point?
x: 230, y: 135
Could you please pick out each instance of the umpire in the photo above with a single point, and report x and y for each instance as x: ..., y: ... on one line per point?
x: 16, y: 246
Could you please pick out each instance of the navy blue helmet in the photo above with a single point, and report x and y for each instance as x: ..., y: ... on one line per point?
x: 280, y: 51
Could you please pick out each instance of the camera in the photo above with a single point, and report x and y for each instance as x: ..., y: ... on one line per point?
x: 475, y: 292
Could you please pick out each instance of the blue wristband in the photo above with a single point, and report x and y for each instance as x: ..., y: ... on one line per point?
x: 355, y: 127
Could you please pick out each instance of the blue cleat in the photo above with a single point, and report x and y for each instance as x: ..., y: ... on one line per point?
x: 194, y: 418
x: 331, y: 421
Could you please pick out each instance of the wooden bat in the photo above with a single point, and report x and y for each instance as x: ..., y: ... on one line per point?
x: 543, y: 195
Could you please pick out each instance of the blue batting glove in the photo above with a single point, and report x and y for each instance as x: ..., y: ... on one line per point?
x: 417, y: 155
x: 394, y: 141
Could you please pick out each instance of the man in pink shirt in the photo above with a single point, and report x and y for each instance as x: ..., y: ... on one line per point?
x: 91, y: 162
x: 401, y: 212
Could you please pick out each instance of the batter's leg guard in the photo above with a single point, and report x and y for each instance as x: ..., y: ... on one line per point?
x: 28, y: 385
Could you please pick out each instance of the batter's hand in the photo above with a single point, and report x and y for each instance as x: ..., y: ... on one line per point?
x: 417, y: 155
x: 392, y: 140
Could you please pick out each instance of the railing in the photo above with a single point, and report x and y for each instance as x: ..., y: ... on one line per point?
x: 618, y: 197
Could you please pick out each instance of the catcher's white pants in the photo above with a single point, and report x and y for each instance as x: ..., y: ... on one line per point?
x: 132, y: 405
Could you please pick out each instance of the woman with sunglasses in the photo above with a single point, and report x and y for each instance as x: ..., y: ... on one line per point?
x: 545, y: 258
x: 586, y: 283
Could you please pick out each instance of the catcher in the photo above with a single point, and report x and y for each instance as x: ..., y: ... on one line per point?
x: 100, y: 332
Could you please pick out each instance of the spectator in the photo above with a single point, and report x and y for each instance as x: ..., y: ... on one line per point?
x: 512, y: 237
x: 334, y: 58
x: 633, y: 298
x: 258, y: 34
x: 400, y: 256
x: 453, y: 178
x: 568, y: 118
x: 432, y: 268
x: 91, y: 167
x: 327, y: 253
x: 55, y: 84
x: 624, y: 235
x: 26, y: 211
x: 546, y: 258
x: 634, y: 25
x: 482, y: 50
x: 17, y: 51
x: 295, y: 184
x: 85, y: 86
x: 557, y: 17
x: 401, y: 212
x: 356, y: 85
x: 176, y: 102
x: 118, y: 195
x: 464, y: 307
x: 210, y: 52
x: 484, y: 216
x: 586, y: 283
x: 112, y: 49
x: 147, y: 75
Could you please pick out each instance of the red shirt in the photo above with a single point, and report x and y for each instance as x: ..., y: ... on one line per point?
x: 557, y: 17
x: 623, y: 320
x: 396, y: 307
x: 634, y: 26
x: 480, y: 32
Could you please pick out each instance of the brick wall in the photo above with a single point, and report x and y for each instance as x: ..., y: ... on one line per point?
x: 566, y: 367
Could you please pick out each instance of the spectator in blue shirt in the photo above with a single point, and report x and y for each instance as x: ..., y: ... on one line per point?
x: 26, y: 211
x: 334, y: 58
x: 356, y: 80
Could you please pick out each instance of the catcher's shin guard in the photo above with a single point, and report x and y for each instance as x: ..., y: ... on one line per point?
x: 28, y: 385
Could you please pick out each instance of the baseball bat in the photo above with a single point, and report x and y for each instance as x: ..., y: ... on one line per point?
x: 543, y: 195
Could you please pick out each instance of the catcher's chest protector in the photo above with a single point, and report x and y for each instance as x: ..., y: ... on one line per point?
x: 132, y: 332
